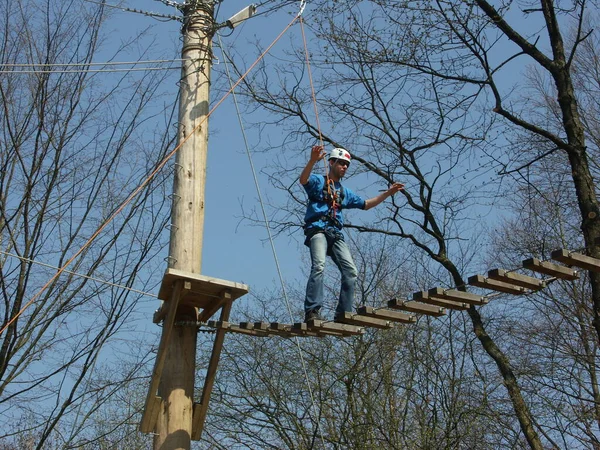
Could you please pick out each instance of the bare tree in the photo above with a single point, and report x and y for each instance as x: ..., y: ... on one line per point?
x: 409, y: 89
x: 72, y: 151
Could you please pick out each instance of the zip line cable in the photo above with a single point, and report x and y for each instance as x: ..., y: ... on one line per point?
x: 49, y: 67
x: 70, y: 272
x: 270, y: 235
x: 159, y: 166
x: 107, y: 63
x: 144, y: 69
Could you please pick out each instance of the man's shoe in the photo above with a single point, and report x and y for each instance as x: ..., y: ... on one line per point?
x: 312, y: 315
x: 339, y: 318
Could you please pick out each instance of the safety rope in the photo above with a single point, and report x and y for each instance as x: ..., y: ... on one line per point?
x: 159, y: 166
x: 270, y: 235
x: 328, y: 181
x: 77, y: 274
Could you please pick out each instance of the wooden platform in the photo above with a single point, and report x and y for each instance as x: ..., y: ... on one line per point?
x: 200, y: 291
x: 208, y: 295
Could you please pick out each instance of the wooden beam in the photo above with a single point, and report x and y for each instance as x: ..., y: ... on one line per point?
x: 151, y: 408
x: 423, y: 296
x: 303, y: 327
x: 576, y: 259
x: 366, y: 321
x: 494, y: 285
x: 211, y: 371
x: 416, y: 307
x: 212, y: 308
x: 548, y: 268
x: 336, y: 329
x: 247, y: 328
x: 386, y: 314
x: 287, y: 331
x: 517, y: 279
x: 457, y: 296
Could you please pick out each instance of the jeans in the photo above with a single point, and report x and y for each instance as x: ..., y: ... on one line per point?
x: 340, y: 254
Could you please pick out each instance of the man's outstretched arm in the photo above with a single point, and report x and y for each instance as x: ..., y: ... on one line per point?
x: 316, y: 154
x: 372, y: 202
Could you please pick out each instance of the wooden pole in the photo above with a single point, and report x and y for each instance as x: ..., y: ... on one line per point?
x: 176, y: 388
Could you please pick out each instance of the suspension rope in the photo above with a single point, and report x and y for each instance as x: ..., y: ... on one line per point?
x: 131, y: 69
x: 86, y: 67
x: 159, y: 166
x: 271, y: 240
x: 328, y: 181
x: 77, y: 274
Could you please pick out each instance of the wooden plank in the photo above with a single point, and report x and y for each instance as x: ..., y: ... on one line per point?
x: 457, y: 296
x: 416, y: 307
x: 518, y: 279
x: 494, y: 285
x: 386, y: 314
x: 280, y: 329
x: 303, y: 327
x: 246, y: 328
x: 214, y: 306
x: 548, y: 268
x: 366, y: 321
x: 152, y: 406
x: 211, y: 371
x: 329, y: 328
x: 288, y: 330
x: 423, y: 297
x: 576, y: 259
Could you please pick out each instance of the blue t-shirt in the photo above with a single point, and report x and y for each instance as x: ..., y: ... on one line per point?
x: 318, y: 207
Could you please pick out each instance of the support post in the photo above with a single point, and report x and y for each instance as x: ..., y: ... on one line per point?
x: 176, y: 388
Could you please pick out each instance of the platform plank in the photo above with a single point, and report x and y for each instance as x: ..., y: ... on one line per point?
x: 386, y: 314
x: 287, y: 330
x: 576, y: 259
x: 457, y: 296
x: 366, y: 321
x: 551, y: 269
x: 324, y: 327
x: 494, y: 285
x: 517, y: 279
x: 416, y: 307
x: 423, y: 297
x: 203, y: 291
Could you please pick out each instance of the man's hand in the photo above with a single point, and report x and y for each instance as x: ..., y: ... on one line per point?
x: 372, y: 202
x: 395, y: 188
x: 317, y: 153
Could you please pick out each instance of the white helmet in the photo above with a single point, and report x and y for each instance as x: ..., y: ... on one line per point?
x: 340, y: 153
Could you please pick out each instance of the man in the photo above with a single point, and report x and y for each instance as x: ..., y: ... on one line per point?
x: 323, y: 229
